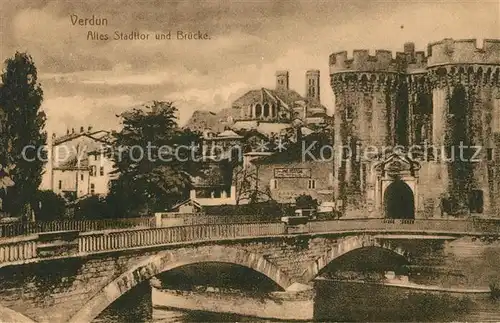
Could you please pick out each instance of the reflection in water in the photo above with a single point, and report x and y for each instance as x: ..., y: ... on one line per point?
x: 334, y: 302
x: 166, y: 315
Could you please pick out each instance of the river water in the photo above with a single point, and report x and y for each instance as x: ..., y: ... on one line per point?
x: 334, y: 301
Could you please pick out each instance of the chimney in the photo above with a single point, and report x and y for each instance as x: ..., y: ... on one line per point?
x: 67, y: 131
x: 282, y: 80
x: 409, y: 49
x: 72, y: 130
x: 81, y: 129
x: 89, y: 128
x: 312, y: 85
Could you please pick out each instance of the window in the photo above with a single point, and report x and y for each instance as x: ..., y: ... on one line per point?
x: 274, y: 184
x: 95, y: 157
x: 476, y: 202
x: 311, y: 184
x: 362, y: 176
x: 101, y: 171
x: 489, y: 154
x: 348, y: 113
x: 496, y: 115
x: 60, y: 184
x: 92, y: 170
x: 81, y: 177
x: 92, y: 189
x: 258, y: 110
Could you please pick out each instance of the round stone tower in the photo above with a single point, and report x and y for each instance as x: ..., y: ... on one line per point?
x: 464, y: 81
x: 446, y: 102
x: 370, y: 98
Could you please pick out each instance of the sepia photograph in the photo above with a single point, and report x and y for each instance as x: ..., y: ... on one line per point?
x: 259, y: 161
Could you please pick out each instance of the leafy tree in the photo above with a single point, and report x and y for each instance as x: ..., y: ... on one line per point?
x: 20, y: 98
x: 50, y: 206
x: 5, y: 182
x: 154, y: 158
x: 245, y: 180
x: 91, y: 208
x: 304, y: 201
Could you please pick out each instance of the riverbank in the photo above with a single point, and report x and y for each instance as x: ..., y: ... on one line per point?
x: 283, y: 306
x: 416, y: 287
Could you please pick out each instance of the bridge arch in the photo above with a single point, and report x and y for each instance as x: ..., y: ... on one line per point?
x: 171, y: 259
x: 9, y: 315
x: 344, y: 246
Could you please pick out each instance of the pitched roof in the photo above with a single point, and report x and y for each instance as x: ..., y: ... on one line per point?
x: 72, y: 164
x: 294, y: 152
x: 228, y: 134
x: 204, y: 119
x: 269, y: 128
x: 249, y: 98
x: 263, y: 127
x: 289, y: 97
x: 99, y: 135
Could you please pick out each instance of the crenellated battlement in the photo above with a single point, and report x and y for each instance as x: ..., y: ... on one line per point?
x: 446, y: 51
x: 361, y: 60
x: 463, y: 51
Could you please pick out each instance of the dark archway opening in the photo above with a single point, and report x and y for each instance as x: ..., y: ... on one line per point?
x: 399, y: 202
x: 136, y: 305
x: 266, y: 110
x: 364, y: 261
x: 218, y: 275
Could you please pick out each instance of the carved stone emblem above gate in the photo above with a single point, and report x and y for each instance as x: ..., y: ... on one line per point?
x: 397, y: 164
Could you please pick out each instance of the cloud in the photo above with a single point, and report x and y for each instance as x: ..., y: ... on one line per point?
x: 86, y: 80
x: 75, y: 111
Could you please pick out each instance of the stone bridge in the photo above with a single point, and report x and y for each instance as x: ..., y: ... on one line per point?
x: 73, y: 276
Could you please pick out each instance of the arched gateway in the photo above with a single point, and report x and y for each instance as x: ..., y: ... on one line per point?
x: 399, y: 202
x: 396, y: 186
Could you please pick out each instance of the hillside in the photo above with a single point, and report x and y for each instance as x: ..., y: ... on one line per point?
x: 202, y: 119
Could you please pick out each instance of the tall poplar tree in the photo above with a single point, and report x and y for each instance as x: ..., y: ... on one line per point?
x: 20, y: 98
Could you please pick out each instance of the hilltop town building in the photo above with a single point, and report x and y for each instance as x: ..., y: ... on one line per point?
x: 287, y: 174
x: 259, y: 116
x: 439, y: 100
x: 273, y: 111
x: 268, y: 111
x: 78, y: 165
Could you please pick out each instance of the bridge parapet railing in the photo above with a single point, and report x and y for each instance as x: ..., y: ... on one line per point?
x: 24, y: 248
x: 486, y: 225
x: 18, y: 249
x: 379, y: 224
x: 94, y: 242
x: 19, y: 229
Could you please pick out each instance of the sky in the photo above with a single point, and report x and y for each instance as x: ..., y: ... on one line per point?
x: 86, y: 83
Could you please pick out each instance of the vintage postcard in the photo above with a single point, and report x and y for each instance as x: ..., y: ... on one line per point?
x: 259, y: 161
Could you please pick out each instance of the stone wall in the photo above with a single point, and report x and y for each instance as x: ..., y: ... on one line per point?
x: 285, y: 190
x: 281, y: 306
x: 442, y: 100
